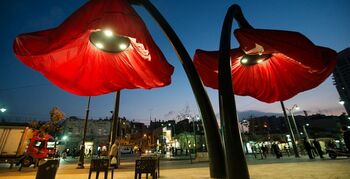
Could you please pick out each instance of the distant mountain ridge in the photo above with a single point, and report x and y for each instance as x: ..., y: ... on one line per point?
x: 253, y: 113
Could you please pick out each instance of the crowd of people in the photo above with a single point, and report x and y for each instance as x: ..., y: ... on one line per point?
x: 311, y: 147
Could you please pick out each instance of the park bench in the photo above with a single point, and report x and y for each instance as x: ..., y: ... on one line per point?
x: 147, y: 165
x: 100, y: 165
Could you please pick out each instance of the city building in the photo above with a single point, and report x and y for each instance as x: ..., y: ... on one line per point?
x: 341, y: 78
x: 97, y: 134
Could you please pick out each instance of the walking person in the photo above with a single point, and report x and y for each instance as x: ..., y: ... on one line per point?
x: 307, y: 147
x: 254, y: 150
x: 113, y: 155
x: 276, y: 150
x: 264, y: 151
x: 318, y: 147
x: 346, y: 136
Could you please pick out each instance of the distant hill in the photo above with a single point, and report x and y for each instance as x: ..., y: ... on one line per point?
x: 247, y: 114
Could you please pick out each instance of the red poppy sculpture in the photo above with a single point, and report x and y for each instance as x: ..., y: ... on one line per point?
x: 270, y: 65
x: 103, y: 47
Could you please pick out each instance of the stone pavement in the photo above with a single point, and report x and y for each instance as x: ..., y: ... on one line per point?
x: 259, y: 169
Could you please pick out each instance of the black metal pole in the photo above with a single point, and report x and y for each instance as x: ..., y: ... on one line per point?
x: 82, y: 147
x: 236, y: 165
x: 295, y: 149
x: 115, y: 119
x: 214, y: 145
x: 295, y: 125
x: 195, y: 140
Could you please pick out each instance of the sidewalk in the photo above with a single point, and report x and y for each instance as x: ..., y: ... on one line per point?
x: 270, y: 169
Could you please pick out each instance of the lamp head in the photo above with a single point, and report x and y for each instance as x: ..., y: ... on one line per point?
x: 3, y: 109
x: 248, y: 60
x: 108, y: 41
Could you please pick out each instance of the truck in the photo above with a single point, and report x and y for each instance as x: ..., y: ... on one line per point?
x: 20, y: 144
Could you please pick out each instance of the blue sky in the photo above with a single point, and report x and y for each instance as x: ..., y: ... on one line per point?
x: 26, y: 93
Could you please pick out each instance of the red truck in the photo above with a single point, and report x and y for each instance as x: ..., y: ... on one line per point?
x: 21, y: 145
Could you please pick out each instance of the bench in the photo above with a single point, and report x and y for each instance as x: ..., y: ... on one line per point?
x: 98, y: 165
x: 147, y: 166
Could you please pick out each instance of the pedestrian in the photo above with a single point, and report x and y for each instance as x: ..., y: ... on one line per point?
x: 73, y: 153
x: 318, y: 147
x: 89, y: 154
x: 264, y: 151
x: 346, y: 136
x: 98, y: 152
x: 276, y: 150
x: 113, y: 154
x: 307, y: 147
x: 254, y: 150
x: 286, y: 149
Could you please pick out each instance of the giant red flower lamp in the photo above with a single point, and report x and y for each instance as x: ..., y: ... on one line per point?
x: 270, y: 65
x: 266, y: 72
x: 103, y: 47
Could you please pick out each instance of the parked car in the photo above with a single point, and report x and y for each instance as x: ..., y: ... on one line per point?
x: 125, y: 149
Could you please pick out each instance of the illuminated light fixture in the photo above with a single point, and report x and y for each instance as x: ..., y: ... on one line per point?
x: 99, y: 45
x: 123, y: 46
x: 254, y: 59
x: 307, y: 124
x: 244, y: 60
x: 3, y: 109
x: 341, y: 102
x: 297, y: 108
x: 107, y: 41
x: 108, y: 33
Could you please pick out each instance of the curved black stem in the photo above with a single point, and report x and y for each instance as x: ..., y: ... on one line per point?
x: 235, y: 159
x: 214, y: 145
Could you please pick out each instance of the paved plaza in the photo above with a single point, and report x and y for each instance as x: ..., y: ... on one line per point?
x: 270, y: 168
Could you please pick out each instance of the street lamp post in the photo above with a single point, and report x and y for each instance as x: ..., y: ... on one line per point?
x: 306, y: 125
x: 115, y: 120
x: 295, y: 149
x: 82, y: 147
x: 291, y: 112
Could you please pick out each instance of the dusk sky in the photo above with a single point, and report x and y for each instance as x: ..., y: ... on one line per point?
x: 29, y: 95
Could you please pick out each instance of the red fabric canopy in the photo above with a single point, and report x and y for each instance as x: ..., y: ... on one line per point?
x: 68, y: 59
x: 295, y: 65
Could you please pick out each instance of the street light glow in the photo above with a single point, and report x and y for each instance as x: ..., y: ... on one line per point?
x: 244, y: 60
x: 106, y: 40
x: 341, y: 102
x: 99, y: 45
x: 123, y: 46
x: 65, y: 137
x: 307, y: 124
x: 3, y: 109
x: 108, y: 33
